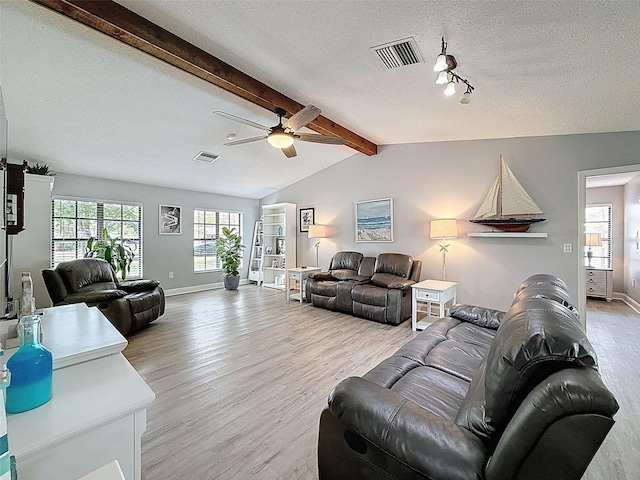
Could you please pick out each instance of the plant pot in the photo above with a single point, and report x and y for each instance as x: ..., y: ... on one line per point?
x: 231, y: 282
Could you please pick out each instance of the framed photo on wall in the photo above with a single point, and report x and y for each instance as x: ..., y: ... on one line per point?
x: 170, y: 220
x: 307, y: 217
x: 374, y: 220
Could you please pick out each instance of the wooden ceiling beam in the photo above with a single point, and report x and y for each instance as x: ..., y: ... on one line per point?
x: 114, y: 20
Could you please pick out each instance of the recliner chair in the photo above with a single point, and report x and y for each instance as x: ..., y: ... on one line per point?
x: 129, y: 306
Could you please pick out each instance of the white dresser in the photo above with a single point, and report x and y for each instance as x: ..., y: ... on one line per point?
x: 599, y: 283
x: 98, y: 410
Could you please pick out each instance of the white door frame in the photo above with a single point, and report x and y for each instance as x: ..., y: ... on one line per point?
x: 582, y: 203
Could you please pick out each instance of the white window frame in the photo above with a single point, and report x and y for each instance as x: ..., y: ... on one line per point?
x: 208, y: 239
x: 81, y: 241
x: 600, y: 261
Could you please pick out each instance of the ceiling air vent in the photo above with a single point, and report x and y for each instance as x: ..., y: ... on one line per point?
x: 398, y: 54
x: 206, y: 157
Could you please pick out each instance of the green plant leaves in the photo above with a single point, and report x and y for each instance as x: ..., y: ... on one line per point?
x: 113, y: 250
x: 229, y: 250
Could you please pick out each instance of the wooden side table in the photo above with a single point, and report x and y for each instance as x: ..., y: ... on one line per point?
x: 430, y: 291
x: 298, y: 274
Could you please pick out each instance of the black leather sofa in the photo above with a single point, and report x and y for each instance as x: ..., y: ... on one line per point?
x: 480, y: 394
x: 377, y: 289
x: 129, y: 306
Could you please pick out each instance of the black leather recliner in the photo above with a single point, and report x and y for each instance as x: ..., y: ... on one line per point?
x: 377, y: 288
x: 480, y: 394
x: 129, y: 306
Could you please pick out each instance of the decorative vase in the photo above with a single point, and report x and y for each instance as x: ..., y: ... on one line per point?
x: 31, y: 370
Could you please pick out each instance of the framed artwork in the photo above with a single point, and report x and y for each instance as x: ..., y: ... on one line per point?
x: 307, y: 217
x: 170, y: 220
x: 374, y: 220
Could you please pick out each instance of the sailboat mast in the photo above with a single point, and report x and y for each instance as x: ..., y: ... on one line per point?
x: 500, y: 189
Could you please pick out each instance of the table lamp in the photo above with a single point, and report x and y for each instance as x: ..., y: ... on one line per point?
x: 317, y: 232
x: 592, y: 240
x: 443, y: 229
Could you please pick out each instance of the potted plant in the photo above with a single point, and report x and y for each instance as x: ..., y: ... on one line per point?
x: 229, y: 250
x: 113, y: 250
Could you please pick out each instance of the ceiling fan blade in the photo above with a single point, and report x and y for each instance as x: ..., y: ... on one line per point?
x: 310, y: 137
x: 235, y: 118
x: 302, y: 118
x: 244, y: 140
x: 289, y: 151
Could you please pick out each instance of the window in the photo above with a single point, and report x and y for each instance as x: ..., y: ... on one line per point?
x: 207, y: 226
x: 598, y: 220
x: 74, y: 221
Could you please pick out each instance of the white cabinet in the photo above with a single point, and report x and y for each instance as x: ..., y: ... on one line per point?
x: 599, y: 283
x: 279, y: 243
x: 32, y: 246
x: 255, y: 261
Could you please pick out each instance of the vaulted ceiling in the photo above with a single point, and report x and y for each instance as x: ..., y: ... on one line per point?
x: 88, y: 104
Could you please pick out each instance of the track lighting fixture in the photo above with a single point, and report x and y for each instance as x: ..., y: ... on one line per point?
x: 445, y: 65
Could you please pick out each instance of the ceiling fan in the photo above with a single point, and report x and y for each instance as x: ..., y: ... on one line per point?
x: 282, y: 135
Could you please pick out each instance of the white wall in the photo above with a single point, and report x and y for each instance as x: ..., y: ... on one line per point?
x: 631, y: 239
x: 450, y: 179
x: 614, y: 196
x: 165, y: 253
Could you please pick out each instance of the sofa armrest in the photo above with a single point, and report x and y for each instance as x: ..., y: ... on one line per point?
x: 403, y: 285
x: 138, y: 285
x: 434, y: 446
x: 483, y: 317
x: 388, y: 280
x: 320, y: 276
x: 95, y: 297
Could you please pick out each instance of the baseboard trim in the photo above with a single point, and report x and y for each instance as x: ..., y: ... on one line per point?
x: 198, y: 288
x: 628, y: 300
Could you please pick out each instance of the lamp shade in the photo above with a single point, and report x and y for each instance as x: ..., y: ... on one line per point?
x: 444, y: 228
x: 593, y: 240
x: 317, y: 231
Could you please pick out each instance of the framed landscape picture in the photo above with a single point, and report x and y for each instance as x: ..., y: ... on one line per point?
x: 374, y: 220
x: 170, y: 220
x: 307, y: 217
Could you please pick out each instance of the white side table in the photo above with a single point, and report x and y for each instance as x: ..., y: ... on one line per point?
x: 300, y: 275
x: 430, y: 291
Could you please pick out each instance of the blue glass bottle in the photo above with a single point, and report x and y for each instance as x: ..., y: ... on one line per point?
x: 31, y: 369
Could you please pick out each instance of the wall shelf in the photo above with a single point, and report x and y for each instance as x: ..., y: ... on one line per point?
x: 507, y: 234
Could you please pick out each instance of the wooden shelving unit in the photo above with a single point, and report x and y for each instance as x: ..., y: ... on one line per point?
x: 255, y: 261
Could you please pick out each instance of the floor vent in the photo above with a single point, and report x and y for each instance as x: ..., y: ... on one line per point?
x: 398, y: 54
x: 206, y: 157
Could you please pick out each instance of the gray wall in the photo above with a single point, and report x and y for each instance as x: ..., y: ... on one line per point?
x: 614, y: 196
x: 450, y: 179
x: 164, y: 253
x: 632, y: 240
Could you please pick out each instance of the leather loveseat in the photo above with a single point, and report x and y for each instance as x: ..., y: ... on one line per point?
x: 480, y: 394
x: 129, y: 306
x: 377, y: 289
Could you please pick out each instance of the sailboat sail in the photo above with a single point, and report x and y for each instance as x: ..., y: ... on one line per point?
x: 506, y: 198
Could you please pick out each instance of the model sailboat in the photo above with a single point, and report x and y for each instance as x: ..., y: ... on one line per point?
x: 507, y: 206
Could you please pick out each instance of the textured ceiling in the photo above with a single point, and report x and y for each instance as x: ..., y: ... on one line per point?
x: 87, y: 104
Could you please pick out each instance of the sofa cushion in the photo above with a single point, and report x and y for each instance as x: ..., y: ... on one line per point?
x: 139, y: 285
x: 326, y: 288
x: 86, y: 271
x: 346, y: 261
x: 535, y: 339
x: 388, y: 280
x: 483, y: 317
x: 369, y: 295
x: 395, y: 264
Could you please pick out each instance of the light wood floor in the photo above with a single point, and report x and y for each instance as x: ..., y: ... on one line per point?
x: 241, y: 378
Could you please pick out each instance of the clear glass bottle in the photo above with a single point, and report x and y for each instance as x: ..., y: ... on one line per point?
x: 31, y: 369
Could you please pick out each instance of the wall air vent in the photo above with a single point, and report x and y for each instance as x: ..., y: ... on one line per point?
x: 206, y: 157
x: 398, y: 54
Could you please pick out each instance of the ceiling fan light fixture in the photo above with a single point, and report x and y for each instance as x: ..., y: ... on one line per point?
x: 280, y: 139
x: 443, y: 77
x: 466, y: 98
x: 451, y: 89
